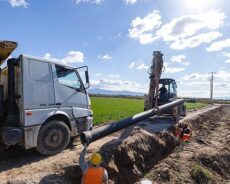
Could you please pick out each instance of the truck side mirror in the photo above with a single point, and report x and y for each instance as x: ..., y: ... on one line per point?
x: 87, y: 76
x: 84, y: 74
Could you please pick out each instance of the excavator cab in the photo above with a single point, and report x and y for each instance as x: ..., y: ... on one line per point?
x: 167, y: 91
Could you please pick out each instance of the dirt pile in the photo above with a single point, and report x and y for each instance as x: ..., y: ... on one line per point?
x: 127, y: 159
x: 219, y: 162
x: 137, y: 151
x: 206, y: 158
x: 196, y: 120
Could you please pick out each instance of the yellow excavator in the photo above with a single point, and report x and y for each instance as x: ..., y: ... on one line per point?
x: 162, y: 90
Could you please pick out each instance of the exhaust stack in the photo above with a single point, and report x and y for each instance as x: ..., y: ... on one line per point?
x: 12, y: 114
x: 1, y: 101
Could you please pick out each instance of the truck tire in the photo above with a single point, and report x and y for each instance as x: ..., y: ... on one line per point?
x: 53, y: 137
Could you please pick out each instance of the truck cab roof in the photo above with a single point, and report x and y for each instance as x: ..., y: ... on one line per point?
x: 45, y: 60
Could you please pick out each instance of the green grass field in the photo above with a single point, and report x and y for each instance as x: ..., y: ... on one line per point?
x: 196, y: 105
x: 112, y: 109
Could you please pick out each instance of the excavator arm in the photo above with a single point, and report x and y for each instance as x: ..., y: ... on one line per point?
x: 154, y: 74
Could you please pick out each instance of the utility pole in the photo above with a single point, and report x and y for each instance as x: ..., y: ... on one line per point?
x: 211, y: 86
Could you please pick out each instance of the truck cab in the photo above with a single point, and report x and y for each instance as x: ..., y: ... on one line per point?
x: 42, y: 104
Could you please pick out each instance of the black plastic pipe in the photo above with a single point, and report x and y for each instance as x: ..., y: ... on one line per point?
x: 95, y: 134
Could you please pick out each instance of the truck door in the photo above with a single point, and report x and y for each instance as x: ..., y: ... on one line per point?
x: 69, y: 89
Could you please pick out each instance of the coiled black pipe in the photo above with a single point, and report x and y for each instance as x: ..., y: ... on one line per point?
x: 95, y: 134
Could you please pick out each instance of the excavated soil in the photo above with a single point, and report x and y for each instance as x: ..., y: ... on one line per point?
x: 134, y: 154
x: 208, y: 152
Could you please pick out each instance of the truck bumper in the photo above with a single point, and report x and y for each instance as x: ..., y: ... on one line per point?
x: 81, y: 124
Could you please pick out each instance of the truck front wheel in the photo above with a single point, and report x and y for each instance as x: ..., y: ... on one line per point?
x: 53, y: 137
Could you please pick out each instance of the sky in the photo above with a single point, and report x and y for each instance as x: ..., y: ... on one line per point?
x: 116, y: 39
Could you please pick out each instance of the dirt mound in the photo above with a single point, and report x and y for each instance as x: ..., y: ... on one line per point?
x: 128, y: 159
x: 137, y: 151
x: 219, y: 162
x: 197, y: 119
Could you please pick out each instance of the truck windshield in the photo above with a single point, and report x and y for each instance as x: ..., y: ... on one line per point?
x: 68, y: 77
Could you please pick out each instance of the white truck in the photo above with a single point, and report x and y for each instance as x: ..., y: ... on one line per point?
x: 42, y: 103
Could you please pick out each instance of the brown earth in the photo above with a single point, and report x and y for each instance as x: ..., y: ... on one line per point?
x: 209, y: 150
x: 134, y: 154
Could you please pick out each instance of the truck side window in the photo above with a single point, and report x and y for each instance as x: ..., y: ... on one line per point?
x: 39, y: 71
x: 68, y: 77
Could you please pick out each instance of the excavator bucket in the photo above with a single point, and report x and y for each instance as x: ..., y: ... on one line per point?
x: 6, y: 48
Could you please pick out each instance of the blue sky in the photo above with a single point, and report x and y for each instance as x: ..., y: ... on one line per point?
x: 116, y: 38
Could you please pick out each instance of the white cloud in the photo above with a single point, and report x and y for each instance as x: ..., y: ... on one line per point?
x: 171, y: 70
x: 186, y: 63
x: 227, y: 61
x: 217, y: 46
x: 89, y: 1
x: 227, y: 54
x: 178, y: 58
x: 142, y: 67
x: 73, y: 57
x: 187, y: 31
x: 70, y: 58
x: 142, y: 28
x: 198, y: 84
x: 196, y: 76
x: 188, y: 25
x: 119, y: 85
x: 221, y: 76
x: 105, y: 57
x: 98, y: 74
x: 130, y: 1
x: 195, y: 41
x: 18, y: 3
x: 114, y: 76
x: 117, y: 36
x: 49, y: 57
x: 131, y: 65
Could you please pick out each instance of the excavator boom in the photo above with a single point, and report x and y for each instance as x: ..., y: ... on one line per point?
x: 154, y: 75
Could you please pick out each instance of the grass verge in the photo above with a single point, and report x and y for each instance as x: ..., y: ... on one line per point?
x: 201, y: 175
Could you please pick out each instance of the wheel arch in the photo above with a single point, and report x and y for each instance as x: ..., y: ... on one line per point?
x: 32, y: 132
x: 59, y: 116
